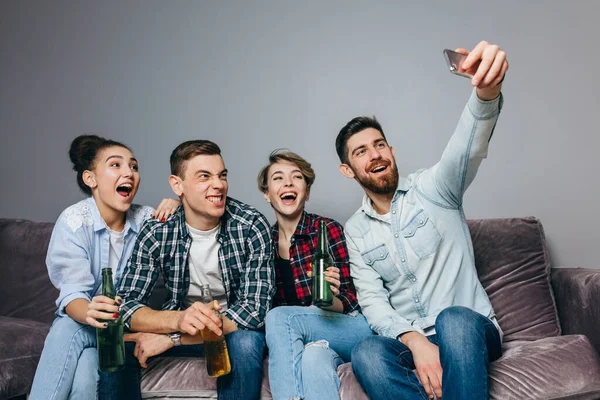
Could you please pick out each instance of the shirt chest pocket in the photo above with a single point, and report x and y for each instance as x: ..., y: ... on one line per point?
x: 381, y: 261
x: 421, y: 235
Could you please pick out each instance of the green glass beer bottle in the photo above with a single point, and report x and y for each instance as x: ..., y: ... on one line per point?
x: 215, y: 347
x: 111, y: 348
x: 322, y: 296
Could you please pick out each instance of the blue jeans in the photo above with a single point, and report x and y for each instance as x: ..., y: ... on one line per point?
x: 68, y: 367
x: 467, y: 342
x: 246, y: 351
x: 306, y: 346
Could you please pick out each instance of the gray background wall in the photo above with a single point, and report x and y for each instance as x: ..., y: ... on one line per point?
x: 254, y: 76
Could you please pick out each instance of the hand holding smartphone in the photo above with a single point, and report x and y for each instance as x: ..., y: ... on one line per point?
x: 455, y: 60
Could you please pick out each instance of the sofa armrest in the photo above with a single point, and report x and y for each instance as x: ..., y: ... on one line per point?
x: 577, y: 291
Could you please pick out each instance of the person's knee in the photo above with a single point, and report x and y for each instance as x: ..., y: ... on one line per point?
x: 318, y: 354
x: 66, y: 329
x: 455, y: 320
x: 246, y: 345
x: 362, y: 353
x: 457, y: 326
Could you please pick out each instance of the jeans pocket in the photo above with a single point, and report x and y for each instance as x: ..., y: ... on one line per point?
x: 381, y: 261
x: 422, y: 236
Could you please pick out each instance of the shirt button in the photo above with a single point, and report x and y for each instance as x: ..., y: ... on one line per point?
x: 381, y: 255
x: 396, y: 235
x: 394, y: 212
x: 414, y: 279
x: 421, y: 222
x: 402, y: 260
x: 416, y: 300
x: 409, y: 232
x: 291, y: 259
x: 297, y: 280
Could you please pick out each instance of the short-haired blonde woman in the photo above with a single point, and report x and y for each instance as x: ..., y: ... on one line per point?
x: 306, y: 343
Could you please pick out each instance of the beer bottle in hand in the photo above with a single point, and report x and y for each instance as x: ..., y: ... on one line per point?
x: 111, y: 349
x: 322, y: 296
x: 215, y: 347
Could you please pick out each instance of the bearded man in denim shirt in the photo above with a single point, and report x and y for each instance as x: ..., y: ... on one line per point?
x: 411, y: 255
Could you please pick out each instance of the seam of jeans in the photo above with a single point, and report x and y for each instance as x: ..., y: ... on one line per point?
x: 297, y: 384
x: 60, y: 378
x: 416, y: 385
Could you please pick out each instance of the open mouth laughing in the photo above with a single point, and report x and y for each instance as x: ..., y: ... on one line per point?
x: 125, y: 190
x: 288, y: 198
x: 379, y: 168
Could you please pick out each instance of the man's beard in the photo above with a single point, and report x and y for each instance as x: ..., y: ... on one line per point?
x: 386, y: 184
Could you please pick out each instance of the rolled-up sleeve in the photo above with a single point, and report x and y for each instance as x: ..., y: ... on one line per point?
x: 69, y: 266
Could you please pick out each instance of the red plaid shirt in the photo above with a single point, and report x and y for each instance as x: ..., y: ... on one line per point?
x: 302, y: 248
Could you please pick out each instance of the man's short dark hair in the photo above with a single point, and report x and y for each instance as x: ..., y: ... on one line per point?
x: 188, y: 150
x: 356, y: 125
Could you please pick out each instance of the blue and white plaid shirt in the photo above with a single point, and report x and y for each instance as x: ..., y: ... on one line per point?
x: 245, y: 264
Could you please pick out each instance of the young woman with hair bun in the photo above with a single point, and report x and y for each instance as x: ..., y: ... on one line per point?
x: 95, y: 233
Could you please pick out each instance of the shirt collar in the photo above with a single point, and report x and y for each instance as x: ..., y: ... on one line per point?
x: 100, y: 224
x: 367, y: 205
x: 302, y: 229
x: 180, y: 215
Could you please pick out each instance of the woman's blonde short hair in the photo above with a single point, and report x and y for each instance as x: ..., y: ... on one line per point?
x: 284, y: 155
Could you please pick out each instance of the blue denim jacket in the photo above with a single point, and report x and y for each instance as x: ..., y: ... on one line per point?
x: 79, y: 249
x: 416, y: 261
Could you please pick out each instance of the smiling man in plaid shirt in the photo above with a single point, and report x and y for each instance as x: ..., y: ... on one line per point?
x: 210, y: 239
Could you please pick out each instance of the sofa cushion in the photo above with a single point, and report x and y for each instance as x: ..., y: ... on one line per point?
x: 185, y: 377
x: 554, y: 367
x: 28, y: 293
x: 349, y: 386
x: 513, y: 266
x: 21, y: 343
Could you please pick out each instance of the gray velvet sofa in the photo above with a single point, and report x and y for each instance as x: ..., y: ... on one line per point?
x: 550, y: 318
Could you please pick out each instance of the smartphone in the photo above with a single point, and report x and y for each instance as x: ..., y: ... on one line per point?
x: 454, y: 60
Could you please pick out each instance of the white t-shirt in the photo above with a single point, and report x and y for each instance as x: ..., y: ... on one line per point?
x: 204, y: 266
x: 115, y: 251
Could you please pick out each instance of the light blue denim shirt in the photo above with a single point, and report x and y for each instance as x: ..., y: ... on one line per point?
x: 414, y: 262
x: 79, y: 249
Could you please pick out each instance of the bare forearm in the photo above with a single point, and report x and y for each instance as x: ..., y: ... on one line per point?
x: 77, y: 310
x: 148, y: 320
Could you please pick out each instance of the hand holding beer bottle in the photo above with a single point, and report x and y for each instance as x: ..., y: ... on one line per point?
x: 215, y: 346
x: 322, y: 296
x: 111, y: 348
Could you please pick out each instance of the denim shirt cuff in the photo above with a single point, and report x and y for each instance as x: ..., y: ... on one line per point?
x: 399, y: 329
x: 69, y: 298
x: 482, y: 109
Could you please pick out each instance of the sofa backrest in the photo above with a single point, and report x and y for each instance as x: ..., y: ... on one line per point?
x: 514, y: 267
x: 510, y: 254
x: 25, y: 289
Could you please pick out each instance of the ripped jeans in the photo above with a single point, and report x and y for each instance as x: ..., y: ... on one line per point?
x: 306, y: 346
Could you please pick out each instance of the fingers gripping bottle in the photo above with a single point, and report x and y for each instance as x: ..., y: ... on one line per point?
x: 111, y: 348
x: 215, y: 347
